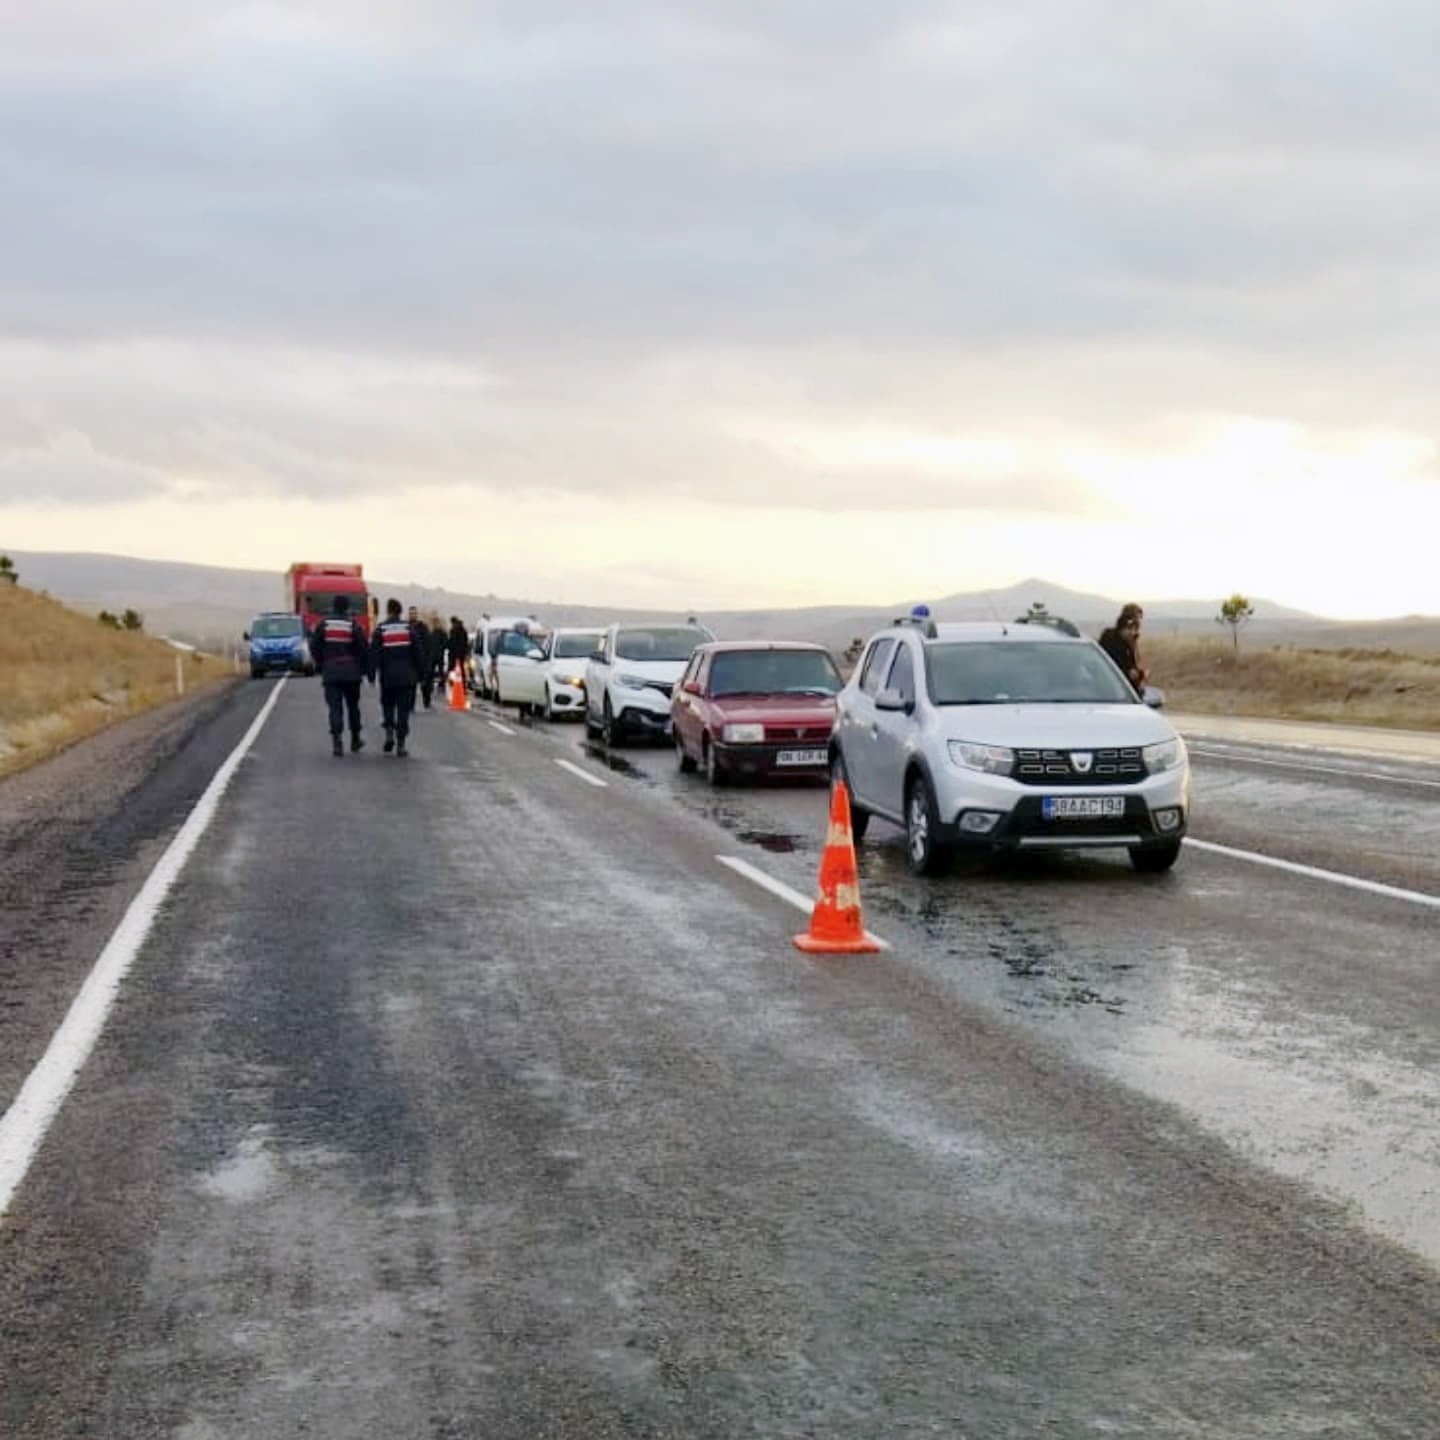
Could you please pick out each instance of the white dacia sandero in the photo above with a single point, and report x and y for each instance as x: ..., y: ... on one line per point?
x: 1008, y: 736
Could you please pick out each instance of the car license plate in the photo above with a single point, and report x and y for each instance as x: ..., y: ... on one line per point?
x: 1083, y: 807
x: 802, y: 757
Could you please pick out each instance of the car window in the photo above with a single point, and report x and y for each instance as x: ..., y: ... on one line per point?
x: 875, y: 665
x: 773, y: 672
x: 692, y: 670
x: 661, y: 642
x: 1013, y: 672
x: 575, y: 647
x: 902, y: 673
x: 276, y: 627
x: 512, y: 642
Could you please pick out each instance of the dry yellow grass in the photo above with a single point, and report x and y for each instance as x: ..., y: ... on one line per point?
x: 63, y: 676
x: 1352, y: 687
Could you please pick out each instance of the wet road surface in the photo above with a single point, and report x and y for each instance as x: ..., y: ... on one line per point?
x: 463, y: 1097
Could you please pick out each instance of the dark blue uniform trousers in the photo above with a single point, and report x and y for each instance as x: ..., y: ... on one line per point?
x: 396, y: 704
x: 343, y: 696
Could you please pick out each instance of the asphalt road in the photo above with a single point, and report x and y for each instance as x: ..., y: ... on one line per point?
x: 464, y: 1096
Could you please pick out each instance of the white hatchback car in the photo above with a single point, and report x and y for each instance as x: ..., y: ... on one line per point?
x: 1018, y: 736
x: 566, y: 656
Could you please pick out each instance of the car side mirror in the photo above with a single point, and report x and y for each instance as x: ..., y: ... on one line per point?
x: 692, y: 687
x: 893, y: 700
x: 1154, y: 697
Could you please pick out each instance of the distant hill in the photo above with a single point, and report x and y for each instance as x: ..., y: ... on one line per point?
x: 211, y: 605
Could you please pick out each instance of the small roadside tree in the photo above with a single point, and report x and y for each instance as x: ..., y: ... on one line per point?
x: 1235, y: 612
x: 9, y: 575
x: 133, y: 620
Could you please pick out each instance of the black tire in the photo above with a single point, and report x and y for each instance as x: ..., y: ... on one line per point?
x: 859, y: 816
x: 1155, y: 859
x: 715, y: 772
x: 926, y: 854
x: 592, y: 730
x: 610, y: 727
x: 684, y: 760
x: 256, y: 674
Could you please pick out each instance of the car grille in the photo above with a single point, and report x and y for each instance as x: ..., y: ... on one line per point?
x: 818, y: 734
x: 1058, y: 767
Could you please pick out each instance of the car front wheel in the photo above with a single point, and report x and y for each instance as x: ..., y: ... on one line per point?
x: 1155, y: 859
x: 609, y: 729
x: 683, y: 758
x: 715, y: 772
x: 923, y: 848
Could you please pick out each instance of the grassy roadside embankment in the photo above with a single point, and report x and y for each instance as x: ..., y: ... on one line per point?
x: 1285, y: 682
x: 64, y: 676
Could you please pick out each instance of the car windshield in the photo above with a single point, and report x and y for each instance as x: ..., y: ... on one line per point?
x: 773, y: 672
x: 661, y: 644
x: 1024, y: 672
x: 576, y: 647
x: 275, y: 627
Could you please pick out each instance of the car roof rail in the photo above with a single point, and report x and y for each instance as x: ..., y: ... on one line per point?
x: 1054, y: 622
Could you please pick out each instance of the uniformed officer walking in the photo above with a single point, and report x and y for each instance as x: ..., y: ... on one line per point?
x: 337, y: 645
x: 398, y: 655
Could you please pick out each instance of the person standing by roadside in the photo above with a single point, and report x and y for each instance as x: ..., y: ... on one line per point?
x: 424, y: 660
x: 337, y: 645
x: 1121, y: 642
x: 459, y: 646
x: 396, y: 655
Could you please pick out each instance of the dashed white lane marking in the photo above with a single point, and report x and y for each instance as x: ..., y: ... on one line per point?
x: 503, y: 729
x: 1312, y: 872
x: 1242, y: 759
x: 779, y: 888
x: 584, y: 775
x: 25, y: 1124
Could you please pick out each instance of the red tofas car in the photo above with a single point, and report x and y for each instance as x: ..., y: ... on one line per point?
x: 748, y: 707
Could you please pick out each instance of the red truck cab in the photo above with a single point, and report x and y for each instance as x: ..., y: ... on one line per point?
x: 311, y: 588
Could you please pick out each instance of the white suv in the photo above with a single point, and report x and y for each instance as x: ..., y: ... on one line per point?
x: 630, y: 675
x: 1014, y: 736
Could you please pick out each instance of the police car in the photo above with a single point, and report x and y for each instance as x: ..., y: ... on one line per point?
x: 1008, y: 736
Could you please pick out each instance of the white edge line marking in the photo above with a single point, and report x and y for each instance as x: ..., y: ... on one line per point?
x: 1242, y: 759
x: 780, y: 889
x: 496, y: 725
x: 1353, y: 882
x: 25, y: 1124
x: 584, y: 775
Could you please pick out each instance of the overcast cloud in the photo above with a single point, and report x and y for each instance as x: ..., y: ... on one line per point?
x: 824, y: 255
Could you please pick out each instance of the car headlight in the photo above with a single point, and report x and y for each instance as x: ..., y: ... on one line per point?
x: 743, y: 734
x: 631, y: 682
x: 575, y: 681
x: 992, y: 759
x: 1167, y: 755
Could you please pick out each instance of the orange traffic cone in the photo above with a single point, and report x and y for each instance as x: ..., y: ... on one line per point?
x: 836, y: 926
x: 458, y: 699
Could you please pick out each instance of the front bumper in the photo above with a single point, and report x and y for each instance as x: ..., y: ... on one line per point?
x: 286, y: 663
x: 765, y: 759
x: 643, y: 721
x: 565, y: 698
x: 1022, y: 824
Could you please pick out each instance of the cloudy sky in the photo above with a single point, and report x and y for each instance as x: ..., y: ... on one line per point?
x: 730, y: 301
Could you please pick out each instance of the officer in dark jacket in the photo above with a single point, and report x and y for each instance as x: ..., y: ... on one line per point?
x: 425, y: 659
x: 397, y: 654
x: 338, y: 647
x: 1121, y: 642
